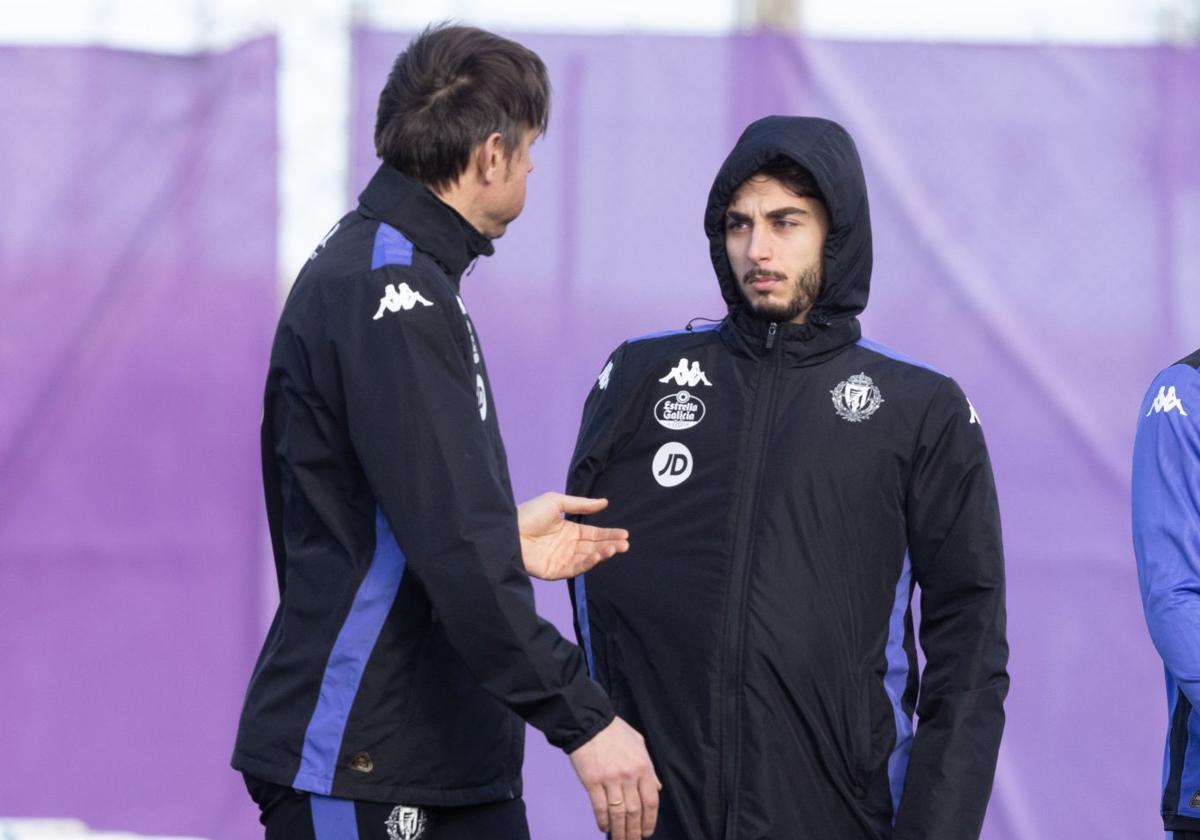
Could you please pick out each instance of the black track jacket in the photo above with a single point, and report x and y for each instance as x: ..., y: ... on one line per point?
x: 406, y: 636
x: 786, y: 486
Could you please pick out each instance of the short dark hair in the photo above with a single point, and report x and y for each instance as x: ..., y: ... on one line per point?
x: 792, y: 175
x: 448, y: 91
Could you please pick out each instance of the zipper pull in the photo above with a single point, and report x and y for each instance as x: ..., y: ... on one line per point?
x: 771, y: 330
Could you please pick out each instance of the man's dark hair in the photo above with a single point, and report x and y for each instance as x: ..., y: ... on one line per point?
x: 792, y: 175
x: 448, y: 91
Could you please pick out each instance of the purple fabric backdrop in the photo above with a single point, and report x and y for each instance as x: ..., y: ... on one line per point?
x: 137, y: 268
x: 1037, y: 219
x: 1037, y: 224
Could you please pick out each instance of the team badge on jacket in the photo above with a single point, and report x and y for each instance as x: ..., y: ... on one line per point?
x: 406, y: 823
x: 857, y: 398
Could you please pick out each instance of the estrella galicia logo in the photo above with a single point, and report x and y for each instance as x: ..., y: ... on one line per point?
x: 681, y: 410
x: 672, y: 464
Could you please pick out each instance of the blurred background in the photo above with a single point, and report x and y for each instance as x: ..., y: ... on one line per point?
x: 166, y: 166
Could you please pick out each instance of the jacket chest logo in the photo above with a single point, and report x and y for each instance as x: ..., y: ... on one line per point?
x: 672, y: 464
x: 685, y: 376
x: 397, y: 298
x: 857, y: 398
x: 681, y: 410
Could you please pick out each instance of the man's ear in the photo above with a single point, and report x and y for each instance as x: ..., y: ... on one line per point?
x: 490, y: 159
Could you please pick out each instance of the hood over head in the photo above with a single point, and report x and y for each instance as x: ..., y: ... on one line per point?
x: 826, y: 150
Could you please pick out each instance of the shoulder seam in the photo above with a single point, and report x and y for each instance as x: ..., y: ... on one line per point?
x: 896, y: 356
x: 704, y: 328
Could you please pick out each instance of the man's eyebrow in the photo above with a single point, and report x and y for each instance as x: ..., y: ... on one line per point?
x: 787, y: 211
x: 736, y: 216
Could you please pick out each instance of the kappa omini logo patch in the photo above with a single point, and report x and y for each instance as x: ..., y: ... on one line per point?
x: 974, y: 414
x: 602, y: 380
x: 685, y: 376
x: 1166, y: 401
x: 399, y: 297
x: 857, y: 398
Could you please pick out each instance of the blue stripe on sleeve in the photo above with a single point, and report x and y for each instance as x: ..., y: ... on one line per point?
x: 700, y: 329
x: 884, y: 350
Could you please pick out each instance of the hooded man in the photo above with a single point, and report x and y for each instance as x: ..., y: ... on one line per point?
x: 789, y: 484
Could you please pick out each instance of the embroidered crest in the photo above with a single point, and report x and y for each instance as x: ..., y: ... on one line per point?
x: 406, y: 823
x: 857, y: 398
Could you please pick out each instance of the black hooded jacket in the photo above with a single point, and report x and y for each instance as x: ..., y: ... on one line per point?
x: 786, y: 487
x: 405, y: 651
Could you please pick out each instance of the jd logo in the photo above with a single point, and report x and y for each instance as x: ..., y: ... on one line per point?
x: 672, y: 464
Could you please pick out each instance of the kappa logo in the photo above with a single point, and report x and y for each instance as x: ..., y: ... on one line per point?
x: 481, y: 396
x: 602, y: 381
x: 857, y: 398
x: 682, y: 410
x: 974, y: 414
x: 682, y: 375
x: 672, y: 464
x: 399, y: 297
x: 406, y: 823
x: 1166, y: 401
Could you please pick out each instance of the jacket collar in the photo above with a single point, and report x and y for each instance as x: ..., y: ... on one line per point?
x: 432, y: 225
x: 800, y: 344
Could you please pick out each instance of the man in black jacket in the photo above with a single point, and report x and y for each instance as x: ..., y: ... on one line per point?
x: 789, y: 483
x: 391, y: 694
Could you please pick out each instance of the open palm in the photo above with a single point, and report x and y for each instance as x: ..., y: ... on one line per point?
x: 554, y: 548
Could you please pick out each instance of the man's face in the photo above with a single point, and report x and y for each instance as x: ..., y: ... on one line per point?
x: 508, y: 198
x: 775, y: 240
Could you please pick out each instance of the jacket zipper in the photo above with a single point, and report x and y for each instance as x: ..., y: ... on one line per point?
x: 731, y: 683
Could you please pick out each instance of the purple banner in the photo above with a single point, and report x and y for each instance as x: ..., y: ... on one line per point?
x: 137, y: 267
x: 1037, y: 224
x: 1037, y: 229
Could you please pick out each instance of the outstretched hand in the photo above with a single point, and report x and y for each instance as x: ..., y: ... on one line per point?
x: 554, y: 548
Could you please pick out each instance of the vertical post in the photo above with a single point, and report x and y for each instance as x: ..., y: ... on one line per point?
x: 314, y: 125
x: 770, y: 14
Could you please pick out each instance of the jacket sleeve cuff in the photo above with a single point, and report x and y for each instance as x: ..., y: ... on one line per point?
x: 590, y: 732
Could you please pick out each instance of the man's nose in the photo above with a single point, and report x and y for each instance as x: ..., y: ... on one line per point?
x: 760, y: 245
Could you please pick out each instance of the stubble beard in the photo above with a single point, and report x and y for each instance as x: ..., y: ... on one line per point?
x: 804, y: 294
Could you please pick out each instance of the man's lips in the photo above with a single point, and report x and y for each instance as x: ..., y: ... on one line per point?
x: 763, y: 282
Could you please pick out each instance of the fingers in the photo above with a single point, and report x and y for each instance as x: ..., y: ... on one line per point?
x: 579, y: 504
x: 633, y: 811
x: 615, y: 804
x: 594, y: 534
x: 648, y: 788
x: 599, y: 806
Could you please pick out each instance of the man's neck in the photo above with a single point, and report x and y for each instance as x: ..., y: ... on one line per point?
x: 464, y: 201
